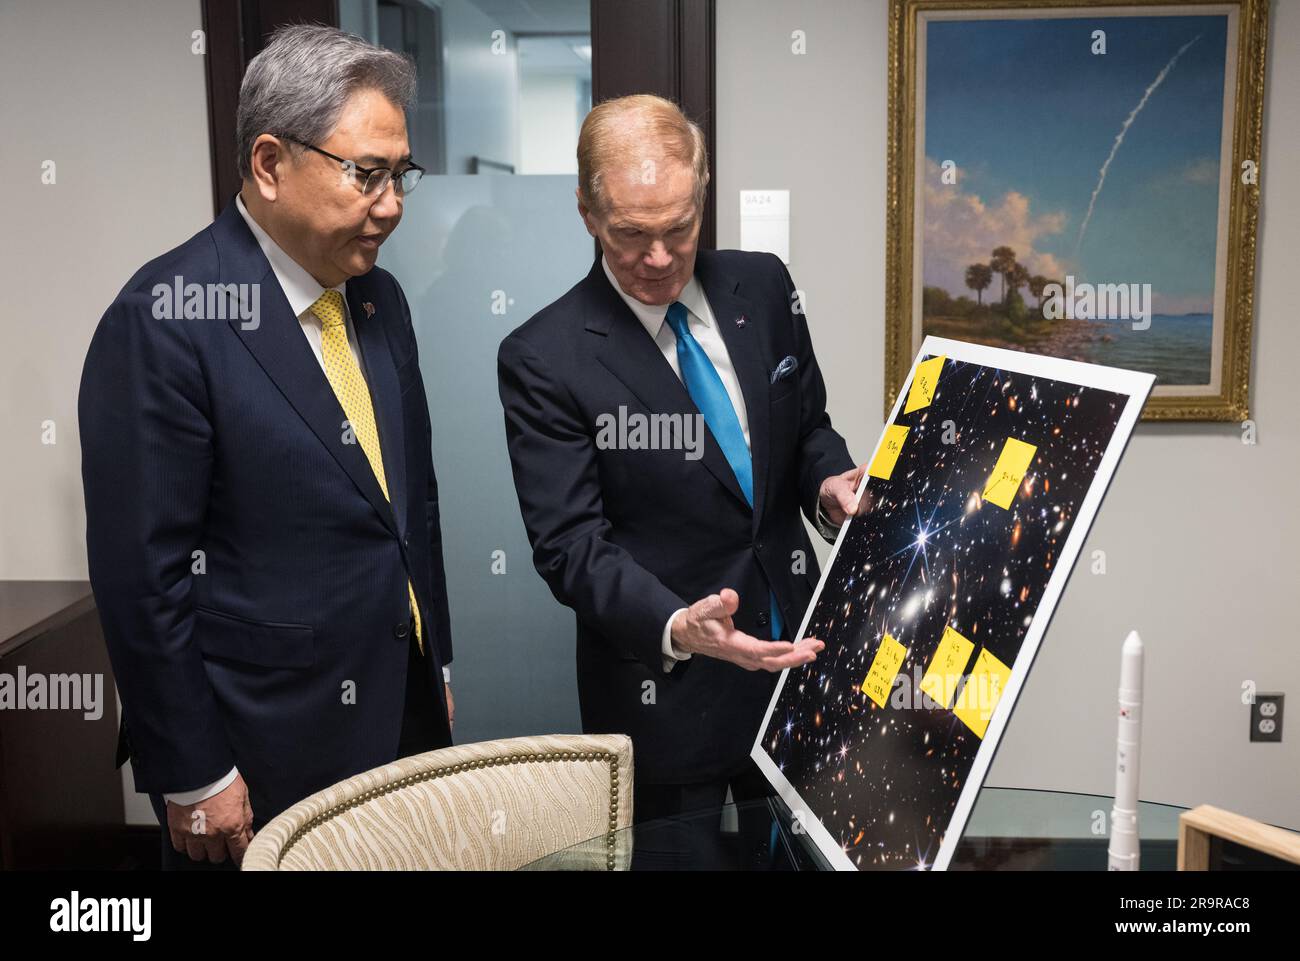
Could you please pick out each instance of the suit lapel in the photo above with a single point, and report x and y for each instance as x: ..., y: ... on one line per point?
x: 632, y: 356
x: 278, y: 345
x: 747, y: 361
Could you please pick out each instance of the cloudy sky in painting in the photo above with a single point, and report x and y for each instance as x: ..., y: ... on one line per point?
x: 1029, y: 115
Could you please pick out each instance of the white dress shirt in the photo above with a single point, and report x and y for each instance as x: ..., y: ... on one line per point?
x: 703, y: 327
x: 302, y: 291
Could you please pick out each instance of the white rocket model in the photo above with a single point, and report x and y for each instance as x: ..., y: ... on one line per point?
x: 1123, y: 816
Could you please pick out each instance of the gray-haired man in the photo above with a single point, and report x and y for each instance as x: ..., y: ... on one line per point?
x: 262, y: 513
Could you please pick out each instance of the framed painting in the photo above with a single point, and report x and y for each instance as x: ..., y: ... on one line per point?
x: 1079, y: 180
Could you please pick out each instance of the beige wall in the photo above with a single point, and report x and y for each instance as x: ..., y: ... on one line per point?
x: 110, y: 92
x: 1198, y: 529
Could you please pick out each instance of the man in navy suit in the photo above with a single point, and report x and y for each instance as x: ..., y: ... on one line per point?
x: 680, y: 549
x: 261, y: 508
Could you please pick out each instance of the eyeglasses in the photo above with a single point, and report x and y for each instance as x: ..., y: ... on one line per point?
x: 373, y: 180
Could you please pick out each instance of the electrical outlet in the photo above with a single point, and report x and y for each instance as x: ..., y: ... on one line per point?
x: 1266, y: 717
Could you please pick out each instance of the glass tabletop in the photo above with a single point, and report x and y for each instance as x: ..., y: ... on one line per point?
x: 1009, y: 829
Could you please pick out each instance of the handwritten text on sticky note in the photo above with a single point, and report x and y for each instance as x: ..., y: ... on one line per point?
x: 884, y: 668
x: 924, y: 384
x: 882, y: 465
x: 1008, y: 472
x: 983, y: 690
x: 947, y: 667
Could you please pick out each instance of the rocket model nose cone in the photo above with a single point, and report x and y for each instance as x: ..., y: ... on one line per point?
x: 1133, y: 643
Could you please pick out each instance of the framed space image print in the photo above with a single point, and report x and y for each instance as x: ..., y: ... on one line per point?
x: 1079, y: 180
x: 934, y: 602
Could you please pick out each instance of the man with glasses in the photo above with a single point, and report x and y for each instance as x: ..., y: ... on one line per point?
x: 688, y: 568
x: 261, y: 508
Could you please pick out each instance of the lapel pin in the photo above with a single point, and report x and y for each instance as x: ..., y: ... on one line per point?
x: 369, y: 308
x: 740, y: 321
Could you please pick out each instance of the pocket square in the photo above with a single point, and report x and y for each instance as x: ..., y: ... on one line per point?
x: 784, y: 369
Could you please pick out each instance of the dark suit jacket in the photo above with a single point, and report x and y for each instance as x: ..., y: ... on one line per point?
x: 286, y: 653
x: 625, y: 537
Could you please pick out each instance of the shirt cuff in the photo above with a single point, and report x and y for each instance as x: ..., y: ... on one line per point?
x: 670, y: 654
x: 446, y: 674
x: 186, y: 798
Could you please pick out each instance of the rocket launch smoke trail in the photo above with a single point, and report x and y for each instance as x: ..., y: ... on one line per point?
x: 1119, y: 137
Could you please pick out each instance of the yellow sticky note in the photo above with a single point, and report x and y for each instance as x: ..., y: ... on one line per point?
x: 982, y: 692
x: 882, y: 465
x: 884, y: 668
x: 947, y: 666
x: 924, y: 384
x: 1008, y: 472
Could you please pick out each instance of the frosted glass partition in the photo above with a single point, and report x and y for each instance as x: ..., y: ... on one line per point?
x: 477, y: 256
x: 491, y: 236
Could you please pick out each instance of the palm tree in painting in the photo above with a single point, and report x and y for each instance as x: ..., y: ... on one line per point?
x: 1017, y: 277
x: 978, y: 278
x: 1004, y: 259
x: 1036, y: 285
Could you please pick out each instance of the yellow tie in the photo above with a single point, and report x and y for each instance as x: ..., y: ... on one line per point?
x: 350, y: 388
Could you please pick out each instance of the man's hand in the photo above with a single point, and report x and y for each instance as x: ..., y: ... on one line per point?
x: 451, y: 707
x: 838, y: 498
x: 706, y: 628
x: 224, y: 827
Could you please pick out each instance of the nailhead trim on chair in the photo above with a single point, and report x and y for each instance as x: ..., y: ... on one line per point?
x: 411, y: 779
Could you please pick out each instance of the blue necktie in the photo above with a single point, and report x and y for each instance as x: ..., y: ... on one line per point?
x: 710, y: 396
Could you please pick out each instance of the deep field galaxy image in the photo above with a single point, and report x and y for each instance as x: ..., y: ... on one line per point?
x: 929, y: 598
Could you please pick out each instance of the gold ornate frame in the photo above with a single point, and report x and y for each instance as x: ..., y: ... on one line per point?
x: 1232, y: 402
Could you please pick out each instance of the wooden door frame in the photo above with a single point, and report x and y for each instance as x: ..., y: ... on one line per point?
x: 638, y: 46
x: 236, y: 31
x: 665, y: 47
